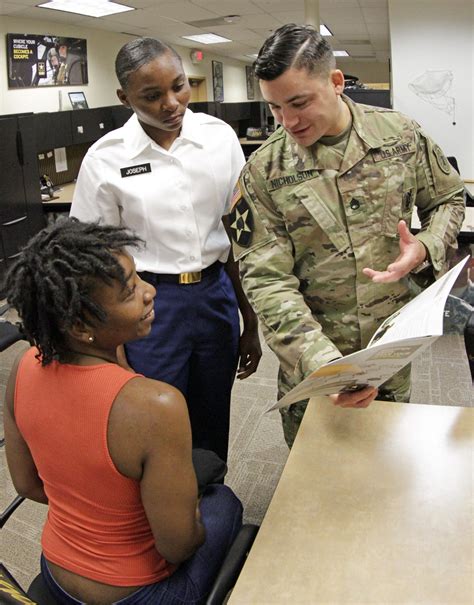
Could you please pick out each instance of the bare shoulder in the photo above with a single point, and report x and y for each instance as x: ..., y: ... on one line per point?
x: 150, y: 394
x: 147, y: 416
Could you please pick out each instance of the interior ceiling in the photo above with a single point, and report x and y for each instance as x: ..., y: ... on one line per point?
x: 359, y: 26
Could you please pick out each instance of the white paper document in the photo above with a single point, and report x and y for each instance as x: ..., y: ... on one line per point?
x: 397, y: 341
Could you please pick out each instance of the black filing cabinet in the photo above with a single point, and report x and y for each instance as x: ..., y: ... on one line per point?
x: 21, y: 213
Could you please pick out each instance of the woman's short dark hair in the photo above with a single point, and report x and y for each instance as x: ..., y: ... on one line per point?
x: 52, y: 282
x: 137, y: 53
x: 298, y: 46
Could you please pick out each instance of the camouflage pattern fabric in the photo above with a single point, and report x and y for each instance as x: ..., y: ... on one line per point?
x: 303, y: 230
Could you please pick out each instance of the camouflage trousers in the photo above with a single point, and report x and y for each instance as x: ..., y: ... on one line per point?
x: 396, y: 389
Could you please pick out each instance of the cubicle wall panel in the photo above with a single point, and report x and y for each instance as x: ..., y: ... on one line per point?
x: 212, y: 108
x: 89, y: 125
x: 120, y: 115
x: 61, y: 175
x: 31, y: 182
x: 379, y: 98
x: 233, y: 112
x: 53, y: 130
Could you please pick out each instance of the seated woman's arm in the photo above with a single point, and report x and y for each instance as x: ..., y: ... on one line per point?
x: 149, y: 438
x: 21, y: 465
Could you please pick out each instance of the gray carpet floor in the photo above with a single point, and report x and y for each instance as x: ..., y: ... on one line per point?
x: 257, y: 449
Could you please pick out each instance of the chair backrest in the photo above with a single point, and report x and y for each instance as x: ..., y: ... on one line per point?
x: 454, y: 163
x: 11, y: 593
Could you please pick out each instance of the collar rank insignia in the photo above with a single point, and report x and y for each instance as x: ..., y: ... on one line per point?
x: 241, y: 223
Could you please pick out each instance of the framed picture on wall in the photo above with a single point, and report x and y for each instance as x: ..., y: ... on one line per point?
x: 250, y: 80
x: 218, y: 81
x: 78, y: 100
x: 39, y: 60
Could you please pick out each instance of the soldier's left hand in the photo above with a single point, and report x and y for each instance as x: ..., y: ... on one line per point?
x: 412, y: 253
x: 355, y: 399
x: 250, y: 353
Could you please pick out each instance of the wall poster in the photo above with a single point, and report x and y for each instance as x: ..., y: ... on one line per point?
x: 39, y: 60
x: 218, y: 81
x: 250, y: 80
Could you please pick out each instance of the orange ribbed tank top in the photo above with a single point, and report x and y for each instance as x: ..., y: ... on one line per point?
x: 96, y: 525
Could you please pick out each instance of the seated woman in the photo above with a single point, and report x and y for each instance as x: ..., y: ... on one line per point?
x: 108, y: 450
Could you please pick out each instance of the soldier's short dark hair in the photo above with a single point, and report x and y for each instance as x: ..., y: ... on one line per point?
x: 299, y: 46
x: 137, y: 53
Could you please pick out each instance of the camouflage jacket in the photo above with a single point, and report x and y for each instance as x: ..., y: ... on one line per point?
x: 303, y: 234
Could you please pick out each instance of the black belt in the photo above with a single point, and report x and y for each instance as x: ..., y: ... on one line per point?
x: 191, y: 277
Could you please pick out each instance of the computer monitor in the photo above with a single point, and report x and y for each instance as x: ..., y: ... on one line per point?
x: 78, y: 100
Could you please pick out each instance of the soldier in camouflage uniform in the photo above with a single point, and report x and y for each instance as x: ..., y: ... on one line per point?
x: 323, y: 209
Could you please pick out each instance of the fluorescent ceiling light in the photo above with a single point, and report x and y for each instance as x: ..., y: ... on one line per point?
x: 207, y: 38
x: 90, y: 8
x: 340, y: 53
x: 324, y: 31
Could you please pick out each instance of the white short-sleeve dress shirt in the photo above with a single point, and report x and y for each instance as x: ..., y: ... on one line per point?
x: 173, y: 199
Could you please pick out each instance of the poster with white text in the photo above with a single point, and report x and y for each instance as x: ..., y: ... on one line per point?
x: 41, y: 60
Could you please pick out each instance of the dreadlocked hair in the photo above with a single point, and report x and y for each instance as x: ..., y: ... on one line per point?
x: 51, y: 282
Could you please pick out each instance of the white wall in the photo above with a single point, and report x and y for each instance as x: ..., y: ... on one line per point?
x: 102, y: 47
x: 435, y: 35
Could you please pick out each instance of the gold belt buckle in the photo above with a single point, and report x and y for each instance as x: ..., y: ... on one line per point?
x: 192, y: 277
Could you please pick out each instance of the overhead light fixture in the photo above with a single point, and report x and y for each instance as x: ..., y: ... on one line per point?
x: 340, y: 53
x: 207, y: 38
x: 324, y: 31
x: 90, y: 8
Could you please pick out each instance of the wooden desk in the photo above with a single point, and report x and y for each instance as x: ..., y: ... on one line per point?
x: 62, y: 199
x: 254, y: 142
x: 373, y: 506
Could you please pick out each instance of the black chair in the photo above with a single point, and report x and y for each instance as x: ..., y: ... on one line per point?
x: 9, y: 334
x: 11, y: 592
x: 467, y: 194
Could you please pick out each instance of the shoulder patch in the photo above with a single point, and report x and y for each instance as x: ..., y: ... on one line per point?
x: 441, y: 159
x: 241, y: 223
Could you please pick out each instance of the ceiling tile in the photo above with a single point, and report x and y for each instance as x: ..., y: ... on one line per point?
x: 229, y: 7
x: 235, y: 33
x: 184, y: 11
x: 349, y: 30
x: 289, y: 17
x: 383, y: 4
x: 375, y: 15
x: 263, y: 20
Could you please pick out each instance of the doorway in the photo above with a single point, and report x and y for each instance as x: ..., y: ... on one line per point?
x: 198, y: 88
